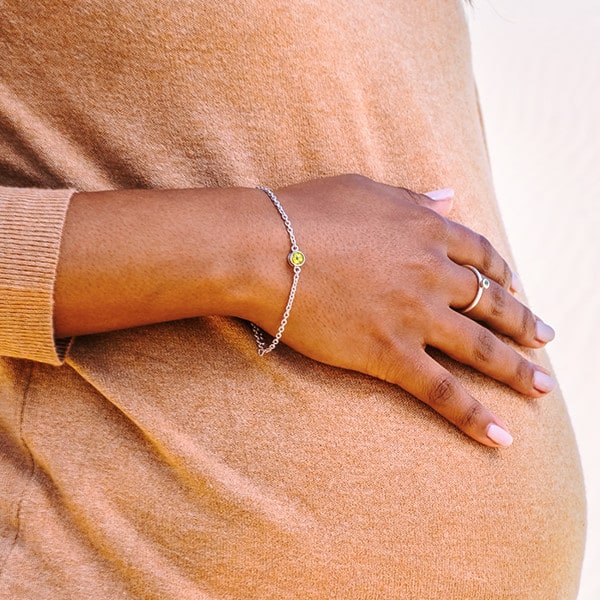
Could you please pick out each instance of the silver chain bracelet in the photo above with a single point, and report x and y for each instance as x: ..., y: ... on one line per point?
x: 295, y: 259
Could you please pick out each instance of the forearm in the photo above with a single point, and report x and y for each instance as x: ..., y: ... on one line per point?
x: 137, y: 257
x: 385, y: 279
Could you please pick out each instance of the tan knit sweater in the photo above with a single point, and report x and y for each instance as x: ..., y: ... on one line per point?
x: 170, y: 461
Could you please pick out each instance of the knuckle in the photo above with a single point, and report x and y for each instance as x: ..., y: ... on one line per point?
x: 385, y: 358
x: 433, y: 274
x: 498, y: 304
x: 470, y: 416
x: 485, y: 345
x: 434, y: 224
x: 523, y: 373
x: 442, y: 392
x: 506, y: 277
x: 358, y: 177
x: 412, y: 195
x: 527, y: 323
x: 354, y: 180
x: 487, y: 252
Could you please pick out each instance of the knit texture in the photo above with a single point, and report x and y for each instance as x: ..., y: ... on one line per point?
x: 171, y: 461
x: 30, y: 230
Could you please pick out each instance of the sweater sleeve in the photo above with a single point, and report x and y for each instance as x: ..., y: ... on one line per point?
x: 31, y: 225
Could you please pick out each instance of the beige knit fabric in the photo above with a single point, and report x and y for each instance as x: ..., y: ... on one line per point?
x: 170, y: 461
x: 30, y: 229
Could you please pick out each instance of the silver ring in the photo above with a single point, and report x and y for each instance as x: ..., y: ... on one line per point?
x: 483, y: 283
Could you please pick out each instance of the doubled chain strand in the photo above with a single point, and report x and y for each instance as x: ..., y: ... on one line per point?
x: 295, y: 259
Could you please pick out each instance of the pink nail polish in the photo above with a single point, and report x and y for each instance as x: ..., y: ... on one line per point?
x: 515, y: 284
x: 543, y: 333
x: 542, y: 382
x: 444, y: 194
x: 499, y: 436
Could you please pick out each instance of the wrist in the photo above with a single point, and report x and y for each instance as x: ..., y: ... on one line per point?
x: 135, y: 257
x: 296, y: 260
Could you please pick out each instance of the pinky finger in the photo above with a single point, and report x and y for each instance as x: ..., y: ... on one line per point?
x: 428, y: 381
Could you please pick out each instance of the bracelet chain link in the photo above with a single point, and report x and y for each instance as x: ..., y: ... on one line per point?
x: 296, y: 260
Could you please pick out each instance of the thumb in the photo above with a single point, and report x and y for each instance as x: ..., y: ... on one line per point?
x: 441, y: 201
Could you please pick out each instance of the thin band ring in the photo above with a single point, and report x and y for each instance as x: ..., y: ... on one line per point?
x: 483, y: 283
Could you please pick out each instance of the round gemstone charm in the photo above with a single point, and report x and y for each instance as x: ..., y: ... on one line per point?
x: 485, y: 283
x: 296, y: 258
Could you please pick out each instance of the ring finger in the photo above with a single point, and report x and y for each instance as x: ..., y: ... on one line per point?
x: 503, y: 312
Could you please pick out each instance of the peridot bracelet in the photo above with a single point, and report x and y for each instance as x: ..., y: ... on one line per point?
x: 296, y: 260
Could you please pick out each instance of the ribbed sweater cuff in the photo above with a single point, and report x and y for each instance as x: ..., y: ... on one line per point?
x: 31, y: 224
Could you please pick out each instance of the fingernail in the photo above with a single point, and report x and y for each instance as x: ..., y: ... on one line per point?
x: 499, y: 436
x: 543, y: 333
x: 515, y: 284
x: 444, y: 194
x: 543, y: 382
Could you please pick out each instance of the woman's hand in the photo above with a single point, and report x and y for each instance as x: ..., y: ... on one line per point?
x: 384, y: 279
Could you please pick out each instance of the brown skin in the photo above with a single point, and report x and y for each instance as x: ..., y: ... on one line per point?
x: 383, y: 280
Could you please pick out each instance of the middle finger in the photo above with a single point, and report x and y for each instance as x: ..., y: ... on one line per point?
x: 499, y: 309
x: 467, y: 247
x: 474, y: 345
